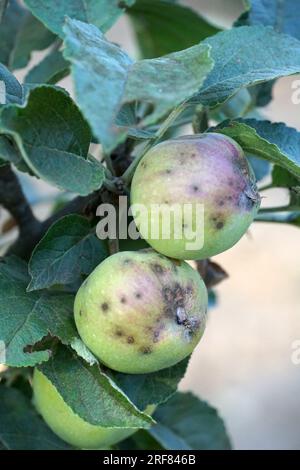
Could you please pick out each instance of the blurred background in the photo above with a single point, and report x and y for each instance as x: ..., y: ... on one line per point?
x: 243, y: 364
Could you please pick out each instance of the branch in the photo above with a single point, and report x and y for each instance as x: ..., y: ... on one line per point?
x: 84, y: 205
x: 13, y: 198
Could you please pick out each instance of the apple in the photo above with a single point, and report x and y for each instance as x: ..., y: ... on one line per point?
x: 208, y: 173
x: 69, y: 426
x: 140, y: 312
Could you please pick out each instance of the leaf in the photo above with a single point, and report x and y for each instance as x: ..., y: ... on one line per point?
x: 282, y: 178
x: 187, y: 423
x: 211, y: 272
x: 51, y: 69
x: 90, y: 393
x: 53, y: 138
x: 3, y: 6
x: 100, y: 70
x: 283, y: 15
x: 105, y: 78
x: 26, y: 318
x: 140, y: 440
x: 262, y: 93
x: 291, y: 218
x: 10, y: 89
x: 150, y: 389
x: 8, y: 152
x: 69, y: 250
x: 162, y: 27
x: 20, y: 34
x: 20, y: 426
x: 274, y: 142
x: 260, y: 167
x: 246, y: 56
x: 101, y: 13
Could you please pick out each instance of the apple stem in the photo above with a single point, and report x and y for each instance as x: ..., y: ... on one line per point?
x: 128, y: 174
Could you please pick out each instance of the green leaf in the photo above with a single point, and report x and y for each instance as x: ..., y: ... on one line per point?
x: 106, y: 78
x: 100, y: 71
x: 282, y: 178
x: 53, y: 138
x: 101, y: 13
x: 51, y: 69
x: 187, y: 423
x: 26, y: 318
x: 246, y: 56
x: 149, y: 389
x: 90, y: 393
x: 10, y: 89
x: 283, y: 15
x: 20, y: 34
x: 20, y: 426
x: 274, y: 142
x: 68, y: 251
x: 162, y: 27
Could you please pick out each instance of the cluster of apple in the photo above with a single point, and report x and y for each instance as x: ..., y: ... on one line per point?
x: 143, y: 311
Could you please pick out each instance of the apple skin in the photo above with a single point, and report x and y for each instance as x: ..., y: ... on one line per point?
x: 69, y: 426
x: 140, y: 312
x: 209, y: 169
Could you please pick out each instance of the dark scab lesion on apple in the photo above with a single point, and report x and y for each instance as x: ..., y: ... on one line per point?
x: 119, y: 333
x: 218, y: 221
x: 104, y: 307
x: 146, y: 350
x: 130, y: 339
x: 157, y: 268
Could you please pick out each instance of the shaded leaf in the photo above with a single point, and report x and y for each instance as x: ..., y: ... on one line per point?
x: 290, y: 218
x: 90, y: 393
x: 53, y: 138
x: 69, y: 250
x: 187, y: 423
x: 10, y: 89
x: 282, y: 178
x: 211, y: 272
x: 51, y: 69
x: 8, y: 152
x: 150, y: 389
x: 283, y: 16
x: 274, y: 142
x: 106, y: 78
x: 26, y: 318
x: 163, y: 27
x: 20, y: 426
x: 260, y: 167
x: 20, y: 34
x: 101, y: 13
x: 246, y: 56
x: 140, y: 440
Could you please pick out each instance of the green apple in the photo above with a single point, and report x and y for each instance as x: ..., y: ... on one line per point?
x: 69, y: 426
x: 140, y: 312
x: 208, y: 171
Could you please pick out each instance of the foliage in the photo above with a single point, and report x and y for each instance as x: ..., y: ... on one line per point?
x: 188, y: 72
